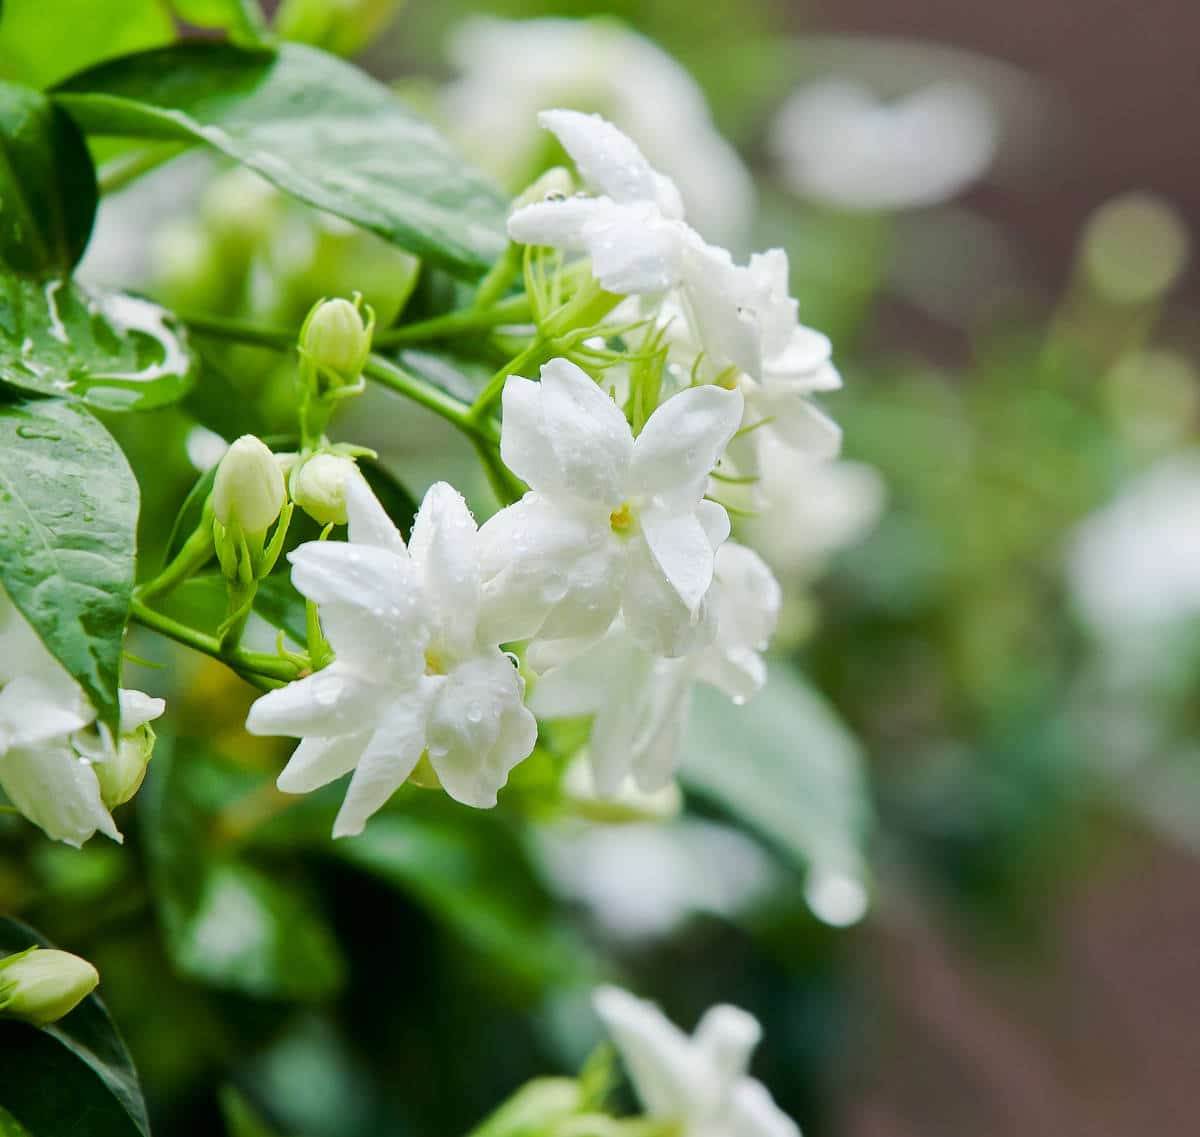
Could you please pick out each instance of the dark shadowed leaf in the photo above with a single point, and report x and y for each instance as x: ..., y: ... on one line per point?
x: 72, y: 1079
x: 68, y: 515
x: 316, y: 127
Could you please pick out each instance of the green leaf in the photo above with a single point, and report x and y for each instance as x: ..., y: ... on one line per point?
x: 72, y: 1079
x: 42, y: 41
x: 318, y: 128
x: 68, y: 515
x: 241, y: 20
x: 786, y: 766
x: 109, y: 350
x: 228, y: 923
x: 47, y: 185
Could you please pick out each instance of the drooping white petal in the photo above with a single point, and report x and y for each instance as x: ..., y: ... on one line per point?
x: 589, y: 435
x: 659, y: 741
x: 328, y: 703
x: 368, y: 520
x: 445, y: 547
x: 657, y: 1054
x: 654, y: 614
x: 33, y: 711
x: 752, y: 1112
x: 525, y: 444
x: 390, y: 756
x: 318, y: 761
x: 547, y: 567
x: 479, y: 729
x: 802, y: 425
x: 604, y: 157
x: 682, y: 441
x: 681, y: 548
x: 555, y: 224
x: 57, y: 790
x: 634, y: 251
x: 581, y: 685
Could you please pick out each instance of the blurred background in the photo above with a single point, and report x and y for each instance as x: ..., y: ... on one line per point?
x: 953, y: 869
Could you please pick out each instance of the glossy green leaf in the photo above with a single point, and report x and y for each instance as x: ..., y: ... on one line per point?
x: 72, y: 1079
x: 68, y: 514
x: 227, y: 923
x: 43, y: 41
x: 785, y: 765
x: 318, y: 128
x: 112, y: 351
x: 47, y: 185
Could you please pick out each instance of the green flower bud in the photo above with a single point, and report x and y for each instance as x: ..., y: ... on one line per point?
x: 42, y: 984
x: 248, y: 492
x: 319, y: 487
x: 121, y: 775
x: 556, y: 182
x: 336, y: 341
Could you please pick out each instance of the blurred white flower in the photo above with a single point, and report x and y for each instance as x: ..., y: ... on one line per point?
x: 611, y: 524
x: 49, y: 760
x: 639, y: 701
x: 839, y: 144
x: 412, y: 674
x: 699, y: 1082
x: 510, y: 70
x: 808, y: 510
x: 1134, y: 565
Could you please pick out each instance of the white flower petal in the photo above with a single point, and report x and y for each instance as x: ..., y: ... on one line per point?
x: 727, y: 1036
x: 589, y: 435
x: 56, y: 790
x: 368, y: 520
x: 138, y: 708
x: 659, y: 743
x: 682, y: 441
x: 654, y: 613
x: 581, y: 685
x: 634, y: 251
x: 753, y: 1113
x: 524, y: 442
x: 479, y: 729
x: 362, y: 576
x: 391, y: 754
x: 33, y: 711
x: 555, y: 224
x: 318, y: 761
x: 727, y: 333
x: 802, y: 425
x: 681, y: 548
x: 604, y: 157
x: 328, y: 703
x: 657, y: 1054
x: 445, y: 546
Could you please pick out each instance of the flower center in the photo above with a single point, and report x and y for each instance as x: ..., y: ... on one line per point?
x: 434, y: 665
x: 622, y: 518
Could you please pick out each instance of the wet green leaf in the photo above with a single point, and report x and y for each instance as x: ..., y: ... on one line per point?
x: 72, y: 1079
x: 47, y: 185
x: 316, y: 127
x: 112, y: 351
x: 68, y: 514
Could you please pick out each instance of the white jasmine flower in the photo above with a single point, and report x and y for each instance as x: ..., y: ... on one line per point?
x: 700, y: 1082
x: 640, y: 701
x: 49, y: 760
x: 610, y: 523
x: 838, y: 144
x: 412, y: 675
x: 512, y: 69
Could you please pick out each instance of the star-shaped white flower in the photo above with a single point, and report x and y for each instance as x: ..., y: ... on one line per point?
x: 48, y: 756
x: 611, y: 523
x: 639, y: 701
x: 698, y: 1082
x: 412, y: 674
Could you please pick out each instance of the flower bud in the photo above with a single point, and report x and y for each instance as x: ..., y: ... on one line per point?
x: 336, y: 340
x: 555, y: 184
x: 319, y: 487
x: 248, y: 492
x: 42, y: 984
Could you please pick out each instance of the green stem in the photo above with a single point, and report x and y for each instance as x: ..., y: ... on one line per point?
x: 473, y: 319
x: 239, y: 330
x: 246, y: 663
x: 388, y: 374
x: 499, y: 276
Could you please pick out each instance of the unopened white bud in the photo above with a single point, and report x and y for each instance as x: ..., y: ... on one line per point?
x: 319, y: 487
x: 336, y: 339
x: 43, y: 984
x: 248, y: 492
